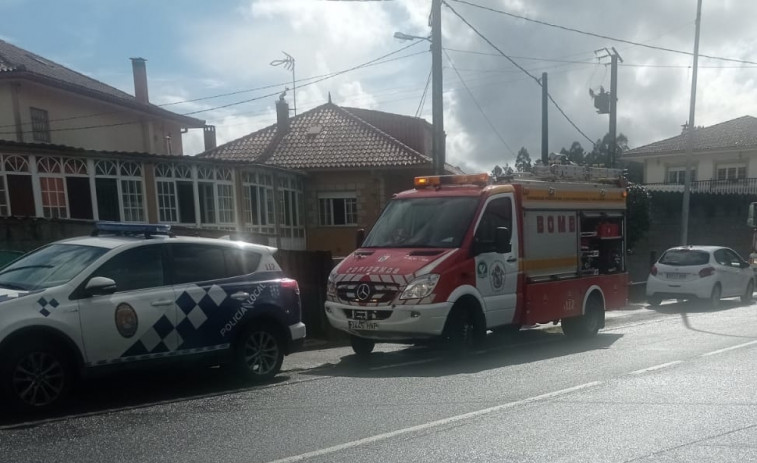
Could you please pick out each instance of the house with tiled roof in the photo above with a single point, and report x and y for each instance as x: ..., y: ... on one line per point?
x: 354, y: 160
x: 723, y: 156
x: 42, y: 101
x: 723, y: 183
x: 74, y: 150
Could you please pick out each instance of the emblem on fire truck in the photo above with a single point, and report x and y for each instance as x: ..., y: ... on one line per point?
x: 497, y: 276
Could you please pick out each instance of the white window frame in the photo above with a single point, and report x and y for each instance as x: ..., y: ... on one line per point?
x: 262, y: 183
x: 290, y: 191
x: 728, y: 168
x: 326, y: 214
x: 127, y: 174
x: 680, y: 175
x: 50, y: 168
x: 224, y: 200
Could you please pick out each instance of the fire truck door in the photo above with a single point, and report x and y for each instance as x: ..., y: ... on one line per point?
x: 496, y: 273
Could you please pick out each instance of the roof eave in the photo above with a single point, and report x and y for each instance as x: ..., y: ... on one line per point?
x: 151, y: 109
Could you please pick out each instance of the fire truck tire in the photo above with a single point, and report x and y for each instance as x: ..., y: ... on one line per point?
x: 588, y: 324
x: 747, y: 297
x: 465, y: 327
x: 362, y: 346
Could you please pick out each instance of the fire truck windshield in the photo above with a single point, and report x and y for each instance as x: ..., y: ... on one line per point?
x: 439, y: 222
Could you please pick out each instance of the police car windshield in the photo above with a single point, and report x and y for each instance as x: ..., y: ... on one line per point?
x: 423, y: 223
x: 52, y: 265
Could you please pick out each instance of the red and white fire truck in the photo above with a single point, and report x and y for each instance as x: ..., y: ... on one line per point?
x: 459, y: 255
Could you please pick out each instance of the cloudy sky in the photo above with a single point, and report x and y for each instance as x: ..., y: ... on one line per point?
x: 200, y: 50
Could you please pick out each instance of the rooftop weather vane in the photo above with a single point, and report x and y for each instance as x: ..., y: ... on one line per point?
x: 288, y: 64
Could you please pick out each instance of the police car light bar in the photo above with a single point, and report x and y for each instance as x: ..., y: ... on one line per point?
x: 132, y: 228
x: 439, y: 180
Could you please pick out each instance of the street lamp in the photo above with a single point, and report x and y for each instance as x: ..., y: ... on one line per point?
x: 437, y: 111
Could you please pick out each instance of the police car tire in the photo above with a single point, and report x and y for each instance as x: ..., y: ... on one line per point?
x: 46, y: 356
x: 261, y: 342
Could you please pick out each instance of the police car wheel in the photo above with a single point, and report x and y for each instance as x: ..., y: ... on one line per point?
x: 36, y: 375
x: 260, y: 352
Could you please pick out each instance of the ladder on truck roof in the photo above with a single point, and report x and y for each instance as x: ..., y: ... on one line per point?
x: 568, y: 172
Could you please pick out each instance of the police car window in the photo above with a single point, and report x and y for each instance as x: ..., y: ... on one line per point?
x: 49, y: 266
x: 192, y: 263
x: 240, y: 262
x: 498, y: 213
x: 136, y: 268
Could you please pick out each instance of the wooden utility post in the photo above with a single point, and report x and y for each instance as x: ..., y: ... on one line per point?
x: 437, y: 110
x: 612, y: 155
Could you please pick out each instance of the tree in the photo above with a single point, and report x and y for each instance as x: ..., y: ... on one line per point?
x: 523, y: 160
x: 637, y: 213
x: 575, y: 153
x: 600, y: 155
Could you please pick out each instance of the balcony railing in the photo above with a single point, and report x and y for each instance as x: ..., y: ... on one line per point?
x: 741, y: 186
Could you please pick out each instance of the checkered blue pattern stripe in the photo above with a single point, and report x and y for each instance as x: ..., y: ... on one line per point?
x: 157, y: 355
x: 46, y: 307
x: 195, y: 306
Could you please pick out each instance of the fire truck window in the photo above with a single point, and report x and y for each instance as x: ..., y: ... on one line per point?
x: 498, y: 213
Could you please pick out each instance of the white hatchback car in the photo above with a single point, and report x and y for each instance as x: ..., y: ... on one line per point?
x: 700, y: 272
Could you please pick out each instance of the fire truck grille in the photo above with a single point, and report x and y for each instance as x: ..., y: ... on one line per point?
x: 368, y: 315
x: 367, y: 292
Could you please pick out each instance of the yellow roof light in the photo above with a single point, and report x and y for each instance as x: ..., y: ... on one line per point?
x: 438, y: 180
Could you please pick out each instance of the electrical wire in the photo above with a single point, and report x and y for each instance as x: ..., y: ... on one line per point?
x: 483, y: 37
x: 499, y: 135
x: 312, y: 81
x: 423, y: 97
x: 606, y: 37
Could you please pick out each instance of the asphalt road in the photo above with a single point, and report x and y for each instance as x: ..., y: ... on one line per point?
x: 672, y: 385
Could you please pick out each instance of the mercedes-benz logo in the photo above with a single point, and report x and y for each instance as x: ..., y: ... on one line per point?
x: 363, y: 292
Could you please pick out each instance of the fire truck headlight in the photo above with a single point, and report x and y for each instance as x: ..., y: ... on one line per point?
x: 420, y: 287
x: 331, y: 284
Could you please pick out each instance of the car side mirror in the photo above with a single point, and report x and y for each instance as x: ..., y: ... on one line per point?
x: 359, y: 237
x: 502, y: 237
x: 99, y: 286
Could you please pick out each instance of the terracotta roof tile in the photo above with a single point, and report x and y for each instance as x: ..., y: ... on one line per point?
x: 325, y: 137
x: 738, y: 133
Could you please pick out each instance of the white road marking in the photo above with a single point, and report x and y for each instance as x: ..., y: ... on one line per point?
x: 656, y: 367
x: 414, y: 362
x: 738, y: 346
x: 433, y: 424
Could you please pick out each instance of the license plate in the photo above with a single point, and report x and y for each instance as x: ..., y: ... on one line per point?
x: 361, y: 325
x: 676, y: 276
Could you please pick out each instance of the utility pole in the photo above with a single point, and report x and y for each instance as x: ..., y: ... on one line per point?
x: 607, y: 103
x: 613, y: 106
x: 544, y: 120
x: 437, y: 110
x: 690, y: 133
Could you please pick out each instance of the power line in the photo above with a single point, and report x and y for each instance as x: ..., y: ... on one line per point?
x: 318, y: 79
x: 499, y: 135
x: 423, y: 97
x: 483, y: 37
x: 606, y: 37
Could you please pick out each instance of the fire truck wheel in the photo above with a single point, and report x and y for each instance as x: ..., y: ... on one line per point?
x: 362, y: 346
x: 465, y: 328
x: 588, y: 324
x: 747, y: 297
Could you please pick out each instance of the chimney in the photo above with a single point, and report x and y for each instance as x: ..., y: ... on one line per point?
x: 140, y: 79
x: 282, y: 115
x: 210, y: 137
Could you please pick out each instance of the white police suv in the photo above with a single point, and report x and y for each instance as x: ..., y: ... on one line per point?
x: 132, y: 294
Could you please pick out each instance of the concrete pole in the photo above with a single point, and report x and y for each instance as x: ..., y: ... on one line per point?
x: 438, y: 144
x: 544, y: 119
x: 612, y: 154
x: 690, y: 133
